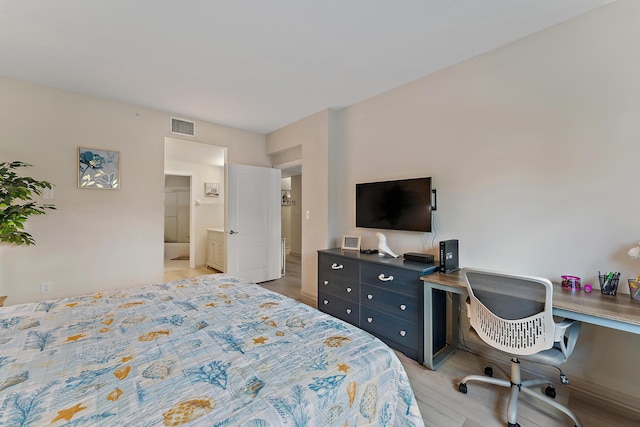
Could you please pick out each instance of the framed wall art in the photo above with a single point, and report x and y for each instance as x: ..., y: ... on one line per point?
x: 98, y: 168
x: 211, y: 189
x: 286, y: 198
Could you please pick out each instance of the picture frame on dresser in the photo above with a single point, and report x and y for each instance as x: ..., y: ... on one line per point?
x: 350, y: 243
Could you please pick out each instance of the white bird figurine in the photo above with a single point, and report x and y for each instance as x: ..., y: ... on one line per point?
x: 383, y: 248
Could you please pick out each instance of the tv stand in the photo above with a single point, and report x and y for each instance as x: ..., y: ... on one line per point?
x: 384, y: 296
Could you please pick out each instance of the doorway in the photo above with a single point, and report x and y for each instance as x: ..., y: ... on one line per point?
x: 291, y: 216
x: 203, y: 166
x: 177, y: 221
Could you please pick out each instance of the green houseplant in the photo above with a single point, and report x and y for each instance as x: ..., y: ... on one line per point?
x: 17, y: 204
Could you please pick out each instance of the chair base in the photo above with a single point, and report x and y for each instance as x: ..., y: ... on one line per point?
x: 517, y: 385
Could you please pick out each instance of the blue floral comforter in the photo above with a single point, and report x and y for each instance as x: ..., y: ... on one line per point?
x: 210, y: 351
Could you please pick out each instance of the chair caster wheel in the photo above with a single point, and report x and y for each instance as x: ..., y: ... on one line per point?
x: 513, y: 425
x: 550, y: 391
x: 462, y: 388
x: 488, y: 371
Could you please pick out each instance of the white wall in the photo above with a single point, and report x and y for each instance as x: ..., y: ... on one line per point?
x: 96, y: 239
x: 533, y: 149
x: 530, y: 147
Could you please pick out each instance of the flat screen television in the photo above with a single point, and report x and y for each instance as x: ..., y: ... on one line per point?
x: 395, y: 205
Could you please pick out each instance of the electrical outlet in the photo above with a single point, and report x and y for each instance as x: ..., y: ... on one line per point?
x: 46, y: 287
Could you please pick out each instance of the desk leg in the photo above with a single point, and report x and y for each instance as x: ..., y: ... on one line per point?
x: 431, y: 360
x: 428, y: 326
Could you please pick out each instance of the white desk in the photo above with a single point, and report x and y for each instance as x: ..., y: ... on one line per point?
x: 616, y: 312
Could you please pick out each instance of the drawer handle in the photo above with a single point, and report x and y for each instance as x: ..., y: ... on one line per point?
x: 337, y: 266
x: 348, y: 289
x: 326, y: 282
x: 369, y: 319
x: 325, y: 302
x: 384, y: 279
x: 369, y: 296
x: 403, y: 307
x: 348, y: 311
x: 403, y: 333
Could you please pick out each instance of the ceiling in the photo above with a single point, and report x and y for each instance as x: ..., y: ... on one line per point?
x: 251, y: 64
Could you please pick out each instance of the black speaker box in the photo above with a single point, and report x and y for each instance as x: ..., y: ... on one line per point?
x: 449, y: 256
x: 418, y: 257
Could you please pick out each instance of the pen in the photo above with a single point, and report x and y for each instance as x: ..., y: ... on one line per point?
x: 605, y: 287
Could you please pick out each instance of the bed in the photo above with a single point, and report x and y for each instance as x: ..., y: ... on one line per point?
x: 213, y: 350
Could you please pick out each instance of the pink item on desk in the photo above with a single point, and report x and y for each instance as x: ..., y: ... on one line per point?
x: 587, y: 288
x: 571, y: 282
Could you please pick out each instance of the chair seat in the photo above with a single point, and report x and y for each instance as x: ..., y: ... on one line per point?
x: 552, y: 356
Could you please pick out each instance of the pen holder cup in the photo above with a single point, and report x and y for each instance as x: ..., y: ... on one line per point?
x: 634, y: 289
x: 608, y: 287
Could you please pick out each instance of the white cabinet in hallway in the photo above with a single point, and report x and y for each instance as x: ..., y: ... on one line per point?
x: 215, y: 248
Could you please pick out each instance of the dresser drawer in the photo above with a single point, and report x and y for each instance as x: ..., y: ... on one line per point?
x: 398, y: 330
x: 341, y: 288
x: 399, y: 305
x: 339, y: 268
x: 338, y: 307
x: 395, y: 279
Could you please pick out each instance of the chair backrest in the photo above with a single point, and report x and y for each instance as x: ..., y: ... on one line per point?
x: 509, y: 312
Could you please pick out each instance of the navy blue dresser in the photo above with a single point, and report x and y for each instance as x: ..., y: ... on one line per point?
x: 381, y: 295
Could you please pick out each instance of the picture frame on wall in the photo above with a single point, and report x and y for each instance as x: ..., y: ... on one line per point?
x: 286, y: 197
x: 211, y: 189
x: 351, y: 243
x: 98, y: 168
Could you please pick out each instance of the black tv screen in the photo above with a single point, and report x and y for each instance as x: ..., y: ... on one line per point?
x: 394, y: 205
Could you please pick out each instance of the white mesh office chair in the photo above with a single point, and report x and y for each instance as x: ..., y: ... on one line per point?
x: 514, y: 315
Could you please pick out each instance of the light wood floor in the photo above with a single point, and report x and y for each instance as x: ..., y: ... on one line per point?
x: 437, y: 393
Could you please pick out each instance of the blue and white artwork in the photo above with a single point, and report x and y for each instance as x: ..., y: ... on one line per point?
x: 98, y: 168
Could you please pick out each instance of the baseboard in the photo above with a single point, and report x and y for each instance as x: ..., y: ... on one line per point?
x: 309, y: 296
x: 615, y: 401
x: 579, y: 389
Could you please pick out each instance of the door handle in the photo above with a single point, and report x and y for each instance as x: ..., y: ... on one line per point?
x: 233, y: 232
x: 403, y: 307
x: 337, y: 266
x: 384, y: 279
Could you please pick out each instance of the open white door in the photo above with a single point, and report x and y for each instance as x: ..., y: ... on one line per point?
x: 253, y: 223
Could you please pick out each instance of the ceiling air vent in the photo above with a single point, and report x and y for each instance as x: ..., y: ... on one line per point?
x: 183, y: 127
